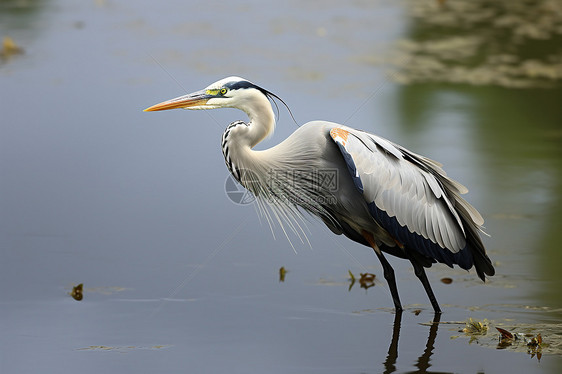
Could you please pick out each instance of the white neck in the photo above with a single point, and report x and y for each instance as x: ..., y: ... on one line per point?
x: 238, y: 140
x: 262, y: 120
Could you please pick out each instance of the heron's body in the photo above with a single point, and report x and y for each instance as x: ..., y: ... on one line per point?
x: 373, y: 191
x: 309, y: 151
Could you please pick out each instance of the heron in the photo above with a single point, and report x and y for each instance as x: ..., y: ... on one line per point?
x: 373, y: 191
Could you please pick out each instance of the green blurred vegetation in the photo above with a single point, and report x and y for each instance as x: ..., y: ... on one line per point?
x: 505, y: 59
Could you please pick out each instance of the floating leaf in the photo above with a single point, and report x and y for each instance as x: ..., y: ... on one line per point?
x: 282, y: 273
x: 506, y: 338
x: 352, y: 278
x: 76, y: 292
x: 534, y: 346
x: 367, y: 280
x: 535, y: 341
x: 475, y: 327
x: 504, y: 333
x: 9, y: 48
x: 367, y: 277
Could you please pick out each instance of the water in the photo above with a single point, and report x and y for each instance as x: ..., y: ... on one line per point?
x: 177, y: 277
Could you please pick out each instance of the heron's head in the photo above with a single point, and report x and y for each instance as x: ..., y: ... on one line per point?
x: 231, y: 92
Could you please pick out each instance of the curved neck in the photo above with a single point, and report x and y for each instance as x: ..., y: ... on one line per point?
x: 239, y: 138
x: 262, y: 121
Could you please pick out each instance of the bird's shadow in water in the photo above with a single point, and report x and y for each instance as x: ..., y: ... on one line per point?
x: 422, y: 363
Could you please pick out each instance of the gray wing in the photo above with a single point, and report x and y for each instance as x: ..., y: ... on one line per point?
x: 411, y: 197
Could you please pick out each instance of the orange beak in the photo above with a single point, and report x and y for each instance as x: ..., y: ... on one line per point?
x: 196, y: 100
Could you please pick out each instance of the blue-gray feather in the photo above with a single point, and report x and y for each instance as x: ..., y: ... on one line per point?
x: 411, y: 198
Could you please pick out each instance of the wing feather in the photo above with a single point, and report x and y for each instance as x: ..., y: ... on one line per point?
x: 411, y: 197
x: 412, y: 189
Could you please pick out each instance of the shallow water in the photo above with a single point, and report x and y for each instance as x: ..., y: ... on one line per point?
x: 179, y: 278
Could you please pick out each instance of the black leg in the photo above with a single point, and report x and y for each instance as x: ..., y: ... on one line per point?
x: 420, y: 273
x: 388, y: 272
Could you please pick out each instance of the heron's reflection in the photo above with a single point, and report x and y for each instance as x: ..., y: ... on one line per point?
x: 423, y: 361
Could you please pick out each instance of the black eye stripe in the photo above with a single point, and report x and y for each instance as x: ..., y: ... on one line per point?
x: 242, y: 84
x: 271, y: 96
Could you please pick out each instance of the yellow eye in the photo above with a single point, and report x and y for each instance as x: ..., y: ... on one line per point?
x: 223, y: 91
